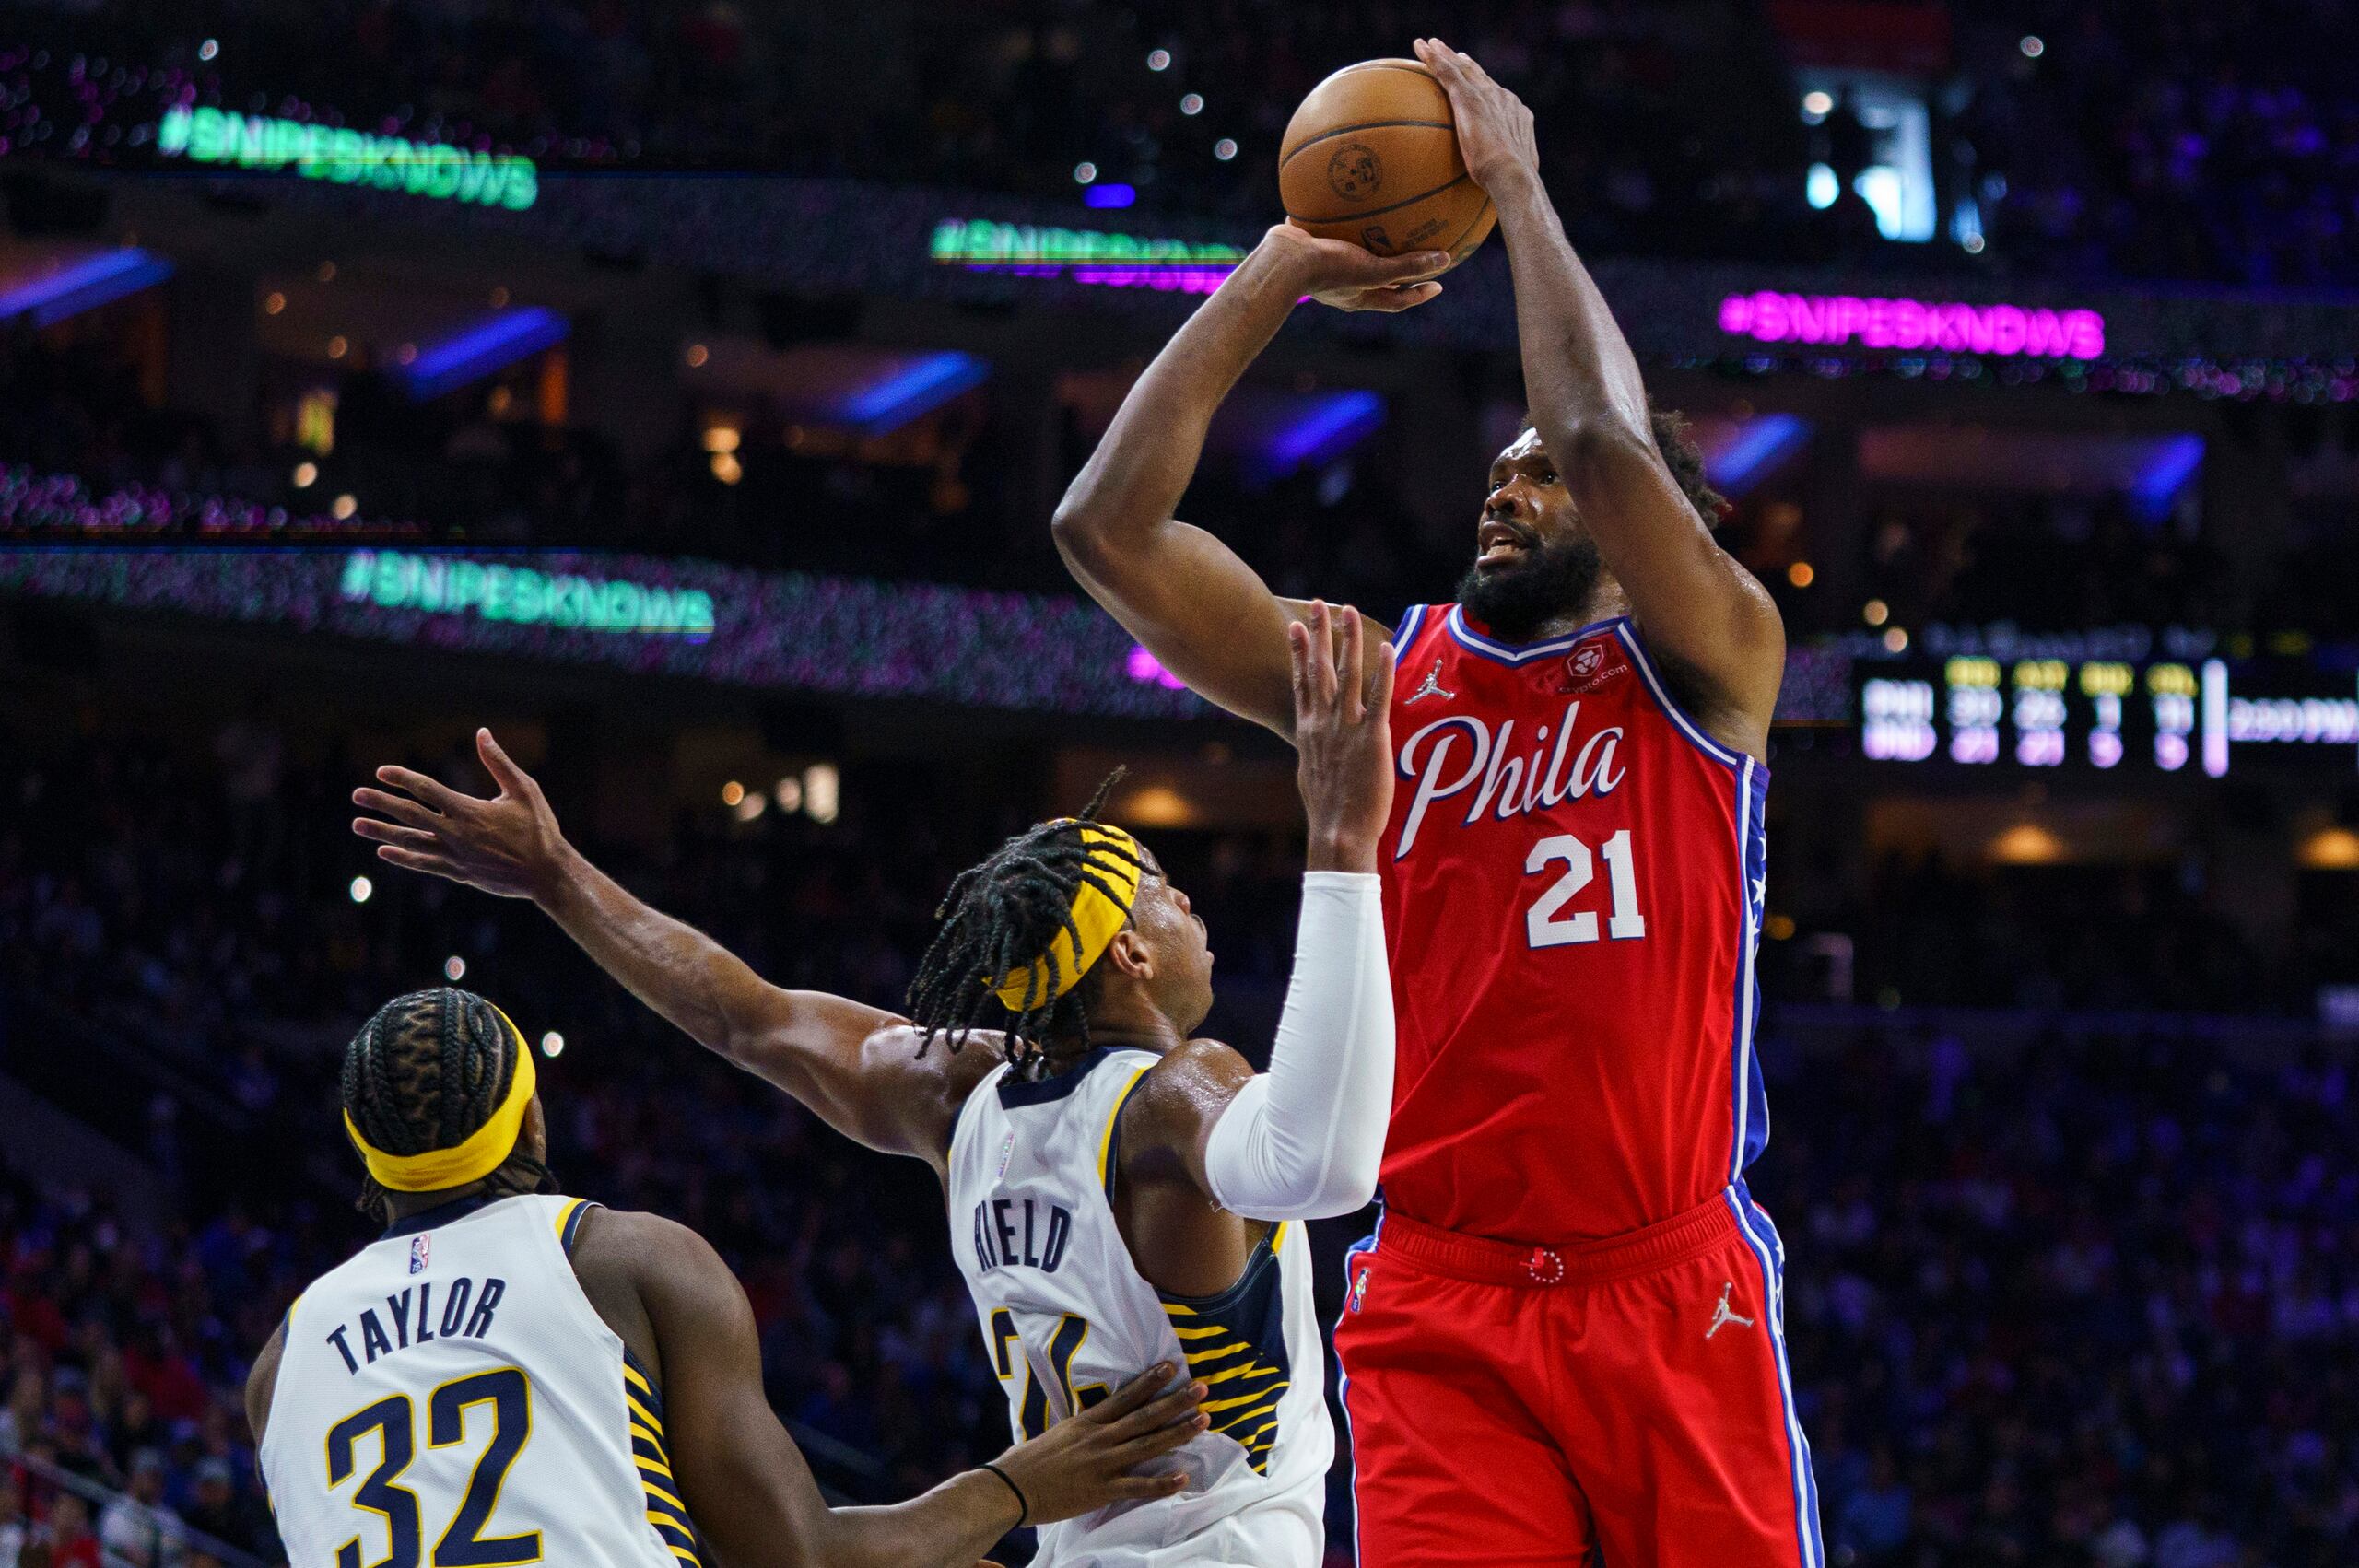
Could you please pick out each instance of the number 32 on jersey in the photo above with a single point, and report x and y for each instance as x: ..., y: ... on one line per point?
x: 393, y: 1420
x: 1545, y: 924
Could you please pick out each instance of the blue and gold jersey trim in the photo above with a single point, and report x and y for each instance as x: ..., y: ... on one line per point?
x: 1109, y: 1147
x: 1236, y: 1346
x: 569, y: 1222
x: 665, y: 1510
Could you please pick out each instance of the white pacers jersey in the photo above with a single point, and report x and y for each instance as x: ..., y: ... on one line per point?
x: 1067, y: 1318
x: 450, y: 1397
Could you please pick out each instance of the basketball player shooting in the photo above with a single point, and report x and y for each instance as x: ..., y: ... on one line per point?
x: 1122, y: 1193
x: 1565, y: 1336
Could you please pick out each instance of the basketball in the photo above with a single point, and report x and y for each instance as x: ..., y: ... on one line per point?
x: 1371, y: 157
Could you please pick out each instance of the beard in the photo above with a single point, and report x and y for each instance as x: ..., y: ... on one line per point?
x: 1514, y: 602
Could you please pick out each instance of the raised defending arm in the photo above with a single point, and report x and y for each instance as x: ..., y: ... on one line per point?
x: 858, y: 1067
x: 1304, y: 1140
x: 1185, y: 595
x: 1693, y: 602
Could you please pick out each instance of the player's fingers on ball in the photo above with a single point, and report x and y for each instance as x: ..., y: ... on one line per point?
x: 1413, y: 266
x: 1380, y: 680
x: 400, y: 808
x: 1299, y: 665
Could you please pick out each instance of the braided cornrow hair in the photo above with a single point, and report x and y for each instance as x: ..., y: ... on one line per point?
x: 425, y: 1072
x: 996, y: 920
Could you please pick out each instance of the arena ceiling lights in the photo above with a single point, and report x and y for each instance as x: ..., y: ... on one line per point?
x: 482, y: 348
x: 869, y: 389
x: 47, y: 290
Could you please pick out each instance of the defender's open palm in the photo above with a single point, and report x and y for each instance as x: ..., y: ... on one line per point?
x: 508, y: 844
x: 1342, y: 735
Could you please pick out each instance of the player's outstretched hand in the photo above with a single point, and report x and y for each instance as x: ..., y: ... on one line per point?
x: 1495, y: 133
x: 1342, y: 735
x: 1085, y: 1461
x: 508, y: 844
x: 1349, y: 277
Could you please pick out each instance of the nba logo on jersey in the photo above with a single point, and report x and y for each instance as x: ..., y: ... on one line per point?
x: 421, y: 1249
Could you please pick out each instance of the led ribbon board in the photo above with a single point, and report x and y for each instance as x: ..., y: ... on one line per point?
x: 348, y: 158
x: 454, y: 585
x: 633, y: 614
x: 1840, y: 320
x: 1086, y: 255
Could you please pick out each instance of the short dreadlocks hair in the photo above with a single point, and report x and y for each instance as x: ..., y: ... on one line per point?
x: 425, y: 1072
x: 1683, y: 458
x: 997, y: 918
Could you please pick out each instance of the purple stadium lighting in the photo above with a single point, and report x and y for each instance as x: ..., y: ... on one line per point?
x: 910, y: 387
x: 1328, y: 426
x: 482, y: 349
x: 1759, y: 445
x: 84, y: 284
x: 2159, y: 482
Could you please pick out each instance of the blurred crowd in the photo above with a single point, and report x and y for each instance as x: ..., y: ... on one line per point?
x: 2088, y: 1302
x: 2172, y: 140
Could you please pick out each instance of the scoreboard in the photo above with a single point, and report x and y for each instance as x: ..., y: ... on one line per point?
x: 2108, y: 715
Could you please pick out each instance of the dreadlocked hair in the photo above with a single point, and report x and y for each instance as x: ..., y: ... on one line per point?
x: 425, y: 1072
x: 997, y: 918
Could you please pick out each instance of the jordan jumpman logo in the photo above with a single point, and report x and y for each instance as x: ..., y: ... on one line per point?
x: 1432, y: 686
x: 1723, y: 1317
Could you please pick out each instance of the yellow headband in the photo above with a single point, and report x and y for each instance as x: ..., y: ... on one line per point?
x: 1095, y: 916
x: 483, y: 1150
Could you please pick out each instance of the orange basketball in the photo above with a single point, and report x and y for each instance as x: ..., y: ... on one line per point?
x: 1371, y: 157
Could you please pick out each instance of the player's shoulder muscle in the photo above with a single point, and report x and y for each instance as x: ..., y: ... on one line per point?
x: 638, y: 1268
x: 1166, y: 1120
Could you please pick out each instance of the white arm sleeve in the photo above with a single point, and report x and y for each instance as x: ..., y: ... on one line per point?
x: 1302, y: 1140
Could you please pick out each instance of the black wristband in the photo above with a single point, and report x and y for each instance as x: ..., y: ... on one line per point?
x: 1022, y: 1505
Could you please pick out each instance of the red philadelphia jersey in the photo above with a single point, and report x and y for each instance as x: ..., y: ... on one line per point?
x: 1572, y: 890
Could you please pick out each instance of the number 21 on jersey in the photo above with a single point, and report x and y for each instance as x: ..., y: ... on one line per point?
x: 393, y: 1419
x: 1546, y: 925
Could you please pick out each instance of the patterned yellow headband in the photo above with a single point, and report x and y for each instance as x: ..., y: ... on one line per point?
x: 483, y: 1150
x: 1115, y: 856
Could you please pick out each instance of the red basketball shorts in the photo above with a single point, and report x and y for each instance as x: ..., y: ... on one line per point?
x: 1625, y: 1398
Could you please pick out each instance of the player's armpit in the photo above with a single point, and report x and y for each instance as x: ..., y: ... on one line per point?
x: 869, y: 1074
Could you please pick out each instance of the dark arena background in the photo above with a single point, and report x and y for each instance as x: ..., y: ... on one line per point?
x: 688, y: 403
